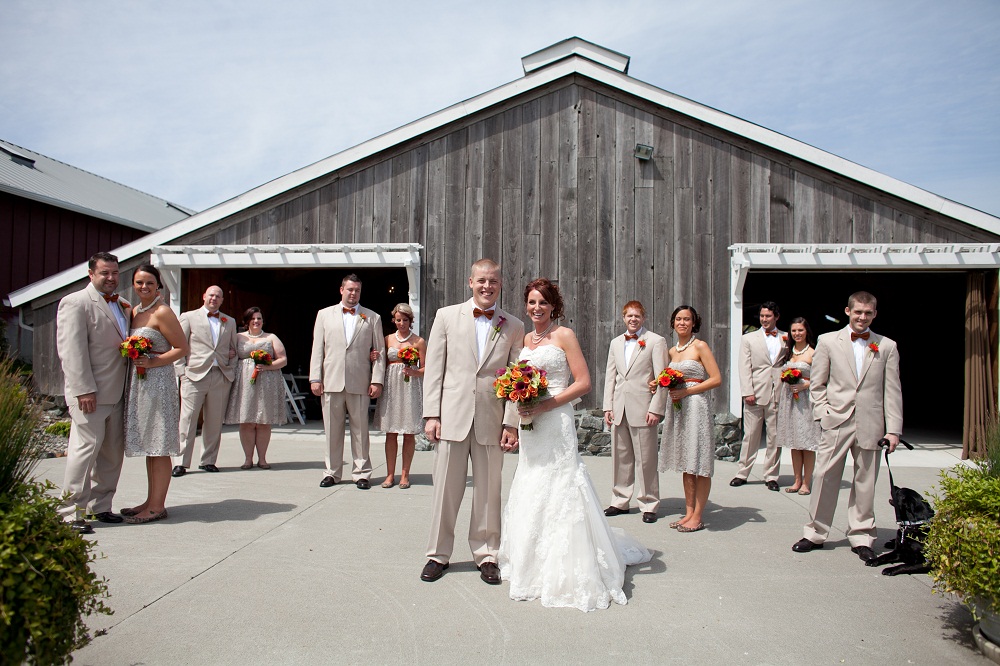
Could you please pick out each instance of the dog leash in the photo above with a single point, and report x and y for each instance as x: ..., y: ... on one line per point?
x: 884, y: 443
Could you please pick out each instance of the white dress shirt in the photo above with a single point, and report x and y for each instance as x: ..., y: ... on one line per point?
x: 860, y: 347
x: 773, y: 343
x: 632, y: 345
x: 215, y: 325
x: 120, y: 317
x: 350, y: 323
x: 483, y: 327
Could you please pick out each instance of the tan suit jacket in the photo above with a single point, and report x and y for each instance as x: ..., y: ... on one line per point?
x: 626, y: 385
x: 458, y: 385
x: 88, y: 339
x: 759, y: 377
x: 875, y: 399
x: 203, y: 352
x: 342, y: 365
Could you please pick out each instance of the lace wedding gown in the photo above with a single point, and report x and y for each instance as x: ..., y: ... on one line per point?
x: 556, y: 544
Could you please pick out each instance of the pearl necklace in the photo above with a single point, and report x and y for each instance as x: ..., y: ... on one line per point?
x: 251, y: 335
x: 678, y: 348
x: 399, y: 339
x: 796, y: 352
x: 140, y: 309
x: 537, y: 338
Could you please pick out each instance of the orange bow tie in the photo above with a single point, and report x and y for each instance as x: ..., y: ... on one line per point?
x: 773, y: 332
x: 629, y: 336
x: 477, y: 313
x: 861, y: 336
x: 214, y: 314
x: 113, y: 298
x: 349, y: 310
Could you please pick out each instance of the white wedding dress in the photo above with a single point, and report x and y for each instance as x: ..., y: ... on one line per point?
x: 556, y: 544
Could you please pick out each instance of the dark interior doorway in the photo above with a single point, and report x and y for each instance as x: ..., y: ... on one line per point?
x: 924, y: 312
x: 290, y: 298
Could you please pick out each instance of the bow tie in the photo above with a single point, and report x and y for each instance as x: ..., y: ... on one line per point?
x: 349, y: 310
x: 214, y: 314
x: 862, y: 336
x: 113, y: 298
x: 477, y: 313
x: 629, y: 336
x: 773, y: 332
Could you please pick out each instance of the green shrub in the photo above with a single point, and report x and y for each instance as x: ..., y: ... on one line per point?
x: 60, y: 428
x: 47, y: 584
x: 19, y: 449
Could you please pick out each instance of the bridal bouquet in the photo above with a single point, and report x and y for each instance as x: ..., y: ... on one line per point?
x: 671, y: 379
x: 135, y: 346
x: 523, y: 384
x: 792, y: 376
x: 409, y: 356
x: 259, y: 358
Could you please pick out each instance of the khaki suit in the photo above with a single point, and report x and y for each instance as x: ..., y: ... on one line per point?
x: 759, y: 377
x: 854, y: 415
x: 88, y: 337
x: 458, y: 389
x: 206, y: 376
x: 346, y: 371
x: 627, y: 397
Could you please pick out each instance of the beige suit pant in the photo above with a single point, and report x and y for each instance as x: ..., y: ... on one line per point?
x: 335, y: 407
x: 754, y: 418
x: 451, y: 467
x: 93, y: 459
x: 831, y: 458
x: 211, y: 394
x: 635, y: 447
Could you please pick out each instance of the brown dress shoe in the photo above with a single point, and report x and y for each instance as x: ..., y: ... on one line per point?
x: 614, y: 511
x: 648, y: 517
x: 432, y: 571
x: 490, y: 573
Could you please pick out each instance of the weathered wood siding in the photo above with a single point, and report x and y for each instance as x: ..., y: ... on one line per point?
x: 547, y: 185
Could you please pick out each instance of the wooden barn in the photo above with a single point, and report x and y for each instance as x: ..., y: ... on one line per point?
x: 52, y: 214
x: 617, y: 190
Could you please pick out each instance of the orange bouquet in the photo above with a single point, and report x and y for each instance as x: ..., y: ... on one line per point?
x: 670, y: 378
x: 409, y: 356
x: 135, y: 346
x: 792, y: 376
x: 259, y: 358
x: 523, y: 384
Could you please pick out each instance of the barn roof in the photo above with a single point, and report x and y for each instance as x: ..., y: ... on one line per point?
x: 28, y: 174
x: 569, y: 57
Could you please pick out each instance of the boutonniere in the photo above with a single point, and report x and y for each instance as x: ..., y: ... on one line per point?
x: 784, y: 338
x: 496, y: 329
x: 125, y: 305
x: 874, y: 347
x: 642, y: 344
x: 363, y: 316
x: 223, y: 319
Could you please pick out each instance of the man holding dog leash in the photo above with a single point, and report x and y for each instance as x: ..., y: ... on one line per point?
x: 858, y: 401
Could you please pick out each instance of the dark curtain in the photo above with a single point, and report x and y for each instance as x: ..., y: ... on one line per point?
x: 980, y: 368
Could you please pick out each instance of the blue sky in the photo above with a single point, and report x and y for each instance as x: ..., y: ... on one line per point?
x: 197, y: 102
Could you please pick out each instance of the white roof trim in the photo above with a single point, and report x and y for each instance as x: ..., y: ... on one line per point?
x: 817, y: 256
x: 575, y: 46
x: 573, y: 64
x: 358, y: 255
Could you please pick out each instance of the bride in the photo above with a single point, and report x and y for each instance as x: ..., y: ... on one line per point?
x: 556, y: 544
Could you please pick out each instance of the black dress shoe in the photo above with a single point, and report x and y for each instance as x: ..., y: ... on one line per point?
x: 772, y: 485
x: 864, y: 552
x: 107, y: 517
x: 364, y: 484
x: 648, y: 517
x: 327, y: 482
x: 178, y: 471
x: 805, y: 545
x: 490, y: 573
x: 614, y: 511
x: 81, y: 527
x: 208, y: 468
x: 432, y: 571
x: 737, y: 482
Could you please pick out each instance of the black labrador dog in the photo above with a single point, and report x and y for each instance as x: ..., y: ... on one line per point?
x: 913, y: 513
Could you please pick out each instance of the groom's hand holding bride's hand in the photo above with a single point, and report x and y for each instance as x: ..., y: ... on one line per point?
x: 508, y: 440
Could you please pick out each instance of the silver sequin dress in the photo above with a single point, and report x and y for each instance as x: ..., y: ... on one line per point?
x: 687, y: 444
x: 152, y: 405
x: 400, y: 409
x: 263, y: 401
x: 796, y: 427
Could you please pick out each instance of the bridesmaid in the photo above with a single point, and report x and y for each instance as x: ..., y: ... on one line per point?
x: 796, y: 428
x: 258, y: 406
x: 400, y: 407
x: 687, y: 444
x: 152, y: 405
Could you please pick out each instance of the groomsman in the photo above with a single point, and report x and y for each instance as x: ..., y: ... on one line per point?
x: 635, y: 358
x: 468, y: 343
x: 760, y: 374
x: 858, y: 401
x: 90, y: 326
x: 206, y: 376
x: 342, y: 373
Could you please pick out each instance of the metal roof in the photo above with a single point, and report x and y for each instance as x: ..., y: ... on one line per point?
x: 566, y: 58
x: 28, y: 174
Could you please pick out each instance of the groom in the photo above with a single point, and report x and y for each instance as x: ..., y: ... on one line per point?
x: 468, y: 343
